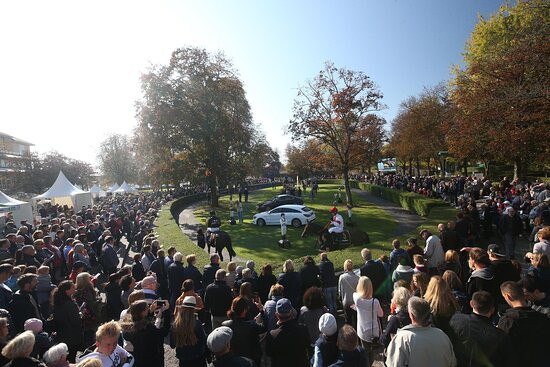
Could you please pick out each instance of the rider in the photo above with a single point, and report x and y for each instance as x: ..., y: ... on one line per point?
x: 213, y: 224
x: 337, y: 224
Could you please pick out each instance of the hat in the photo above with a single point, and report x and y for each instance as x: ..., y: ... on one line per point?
x: 34, y: 325
x: 284, y: 306
x: 506, y: 202
x: 334, y: 209
x: 219, y: 339
x: 327, y: 324
x: 495, y: 250
x: 189, y: 302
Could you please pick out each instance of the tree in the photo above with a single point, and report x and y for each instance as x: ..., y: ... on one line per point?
x: 502, y: 92
x: 196, y: 109
x: 117, y: 159
x: 336, y: 108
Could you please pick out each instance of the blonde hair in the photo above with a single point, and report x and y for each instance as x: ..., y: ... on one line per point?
x: 20, y: 346
x: 364, y: 287
x: 451, y: 256
x: 110, y: 329
x: 452, y: 280
x: 82, y: 280
x: 348, y: 265
x: 231, y: 266
x: 442, y: 301
x: 288, y: 266
x: 90, y: 362
x: 183, y: 329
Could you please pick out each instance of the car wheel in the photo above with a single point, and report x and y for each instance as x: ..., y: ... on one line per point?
x: 260, y: 222
x: 296, y: 223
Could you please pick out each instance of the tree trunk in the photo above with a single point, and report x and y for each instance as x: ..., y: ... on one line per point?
x: 486, y: 168
x: 212, y: 184
x: 417, y: 166
x: 465, y: 167
x: 410, y: 167
x: 347, y: 186
x: 519, y: 169
x: 442, y: 166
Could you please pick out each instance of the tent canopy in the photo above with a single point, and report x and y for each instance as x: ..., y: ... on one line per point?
x: 9, y: 201
x: 60, y: 188
x: 96, y: 189
x: 125, y: 188
x: 20, y: 209
x: 113, y: 188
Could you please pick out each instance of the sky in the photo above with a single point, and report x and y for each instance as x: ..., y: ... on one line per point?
x: 70, y: 70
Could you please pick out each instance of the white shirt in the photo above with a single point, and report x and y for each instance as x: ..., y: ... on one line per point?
x: 338, y: 224
x: 114, y: 360
x: 368, y: 311
x: 433, y: 252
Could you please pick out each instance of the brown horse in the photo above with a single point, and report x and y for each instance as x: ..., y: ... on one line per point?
x: 357, y: 236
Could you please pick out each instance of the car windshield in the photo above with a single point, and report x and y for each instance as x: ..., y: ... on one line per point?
x: 306, y: 209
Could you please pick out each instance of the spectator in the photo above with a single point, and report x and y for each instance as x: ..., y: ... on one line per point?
x: 510, y: 228
x: 540, y: 270
x: 442, y: 303
x: 6, y: 294
x: 292, y: 283
x: 368, y: 312
x: 176, y: 276
x: 231, y: 274
x: 42, y: 341
x: 347, y: 284
x: 398, y: 256
x: 219, y: 343
x: 187, y: 335
x: 245, y: 291
x: 56, y: 356
x: 67, y: 320
x: 109, y: 258
x: 89, y: 305
x: 147, y: 258
x: 265, y: 281
x: 192, y: 273
x: 309, y: 274
x: 287, y: 345
x: 19, y: 350
x: 419, y: 265
x: 375, y: 271
x: 138, y: 272
x: 402, y: 272
x: 503, y: 269
x: 217, y: 299
x: 107, y: 349
x: 250, y: 264
x: 538, y: 299
x: 433, y: 252
x: 188, y: 290
x: 113, y: 291
x: 4, y: 332
x: 351, y: 354
x: 276, y: 293
x: 418, y: 344
x: 543, y: 244
x: 482, y: 277
x: 452, y: 263
x: 209, y: 273
x: 449, y: 238
x: 157, y: 267
x: 400, y: 317
x: 328, y: 282
x: 311, y: 312
x: 24, y: 304
x: 325, y: 348
x: 413, y: 248
x: 456, y: 288
x: 169, y: 259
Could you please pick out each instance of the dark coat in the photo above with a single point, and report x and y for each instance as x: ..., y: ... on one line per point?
x: 6, y: 294
x: 357, y: 358
x: 292, y: 282
x: 478, y: 342
x: 231, y: 360
x: 375, y: 271
x: 209, y: 274
x: 328, y: 349
x: 114, y: 303
x: 218, y: 298
x: 264, y: 286
x: 449, y: 240
x: 176, y: 276
x: 21, y: 309
x: 288, y: 344
x: 191, y: 352
x: 328, y: 278
x: 25, y: 362
x: 310, y: 276
x: 395, y: 322
x: 191, y: 272
x: 68, y: 323
x: 148, y: 342
x: 138, y: 272
x: 482, y: 280
x: 246, y: 338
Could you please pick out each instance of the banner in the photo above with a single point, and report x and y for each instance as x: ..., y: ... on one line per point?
x: 387, y: 165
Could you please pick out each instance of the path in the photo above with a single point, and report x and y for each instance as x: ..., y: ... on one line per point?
x: 189, y: 225
x: 406, y: 221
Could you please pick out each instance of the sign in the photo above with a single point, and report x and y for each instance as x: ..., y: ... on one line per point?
x: 387, y: 165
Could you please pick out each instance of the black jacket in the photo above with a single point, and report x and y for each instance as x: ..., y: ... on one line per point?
x: 310, y: 276
x: 288, y: 344
x: 292, y: 282
x: 375, y: 271
x: 264, y: 286
x: 478, y: 343
x: 328, y: 278
x: 529, y: 332
x: 22, y: 309
x: 395, y: 322
x: 218, y: 298
x: 68, y: 323
x: 25, y: 362
x: 449, y: 240
x: 246, y: 338
x: 482, y: 280
x: 148, y: 342
x: 209, y: 274
x: 231, y: 360
x: 195, y: 275
x: 503, y: 271
x: 176, y: 276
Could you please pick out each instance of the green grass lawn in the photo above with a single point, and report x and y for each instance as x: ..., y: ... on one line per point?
x: 260, y: 244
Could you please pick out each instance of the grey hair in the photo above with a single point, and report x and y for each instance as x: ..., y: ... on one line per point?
x: 401, y: 296
x: 55, y: 353
x: 420, y: 310
x: 220, y: 274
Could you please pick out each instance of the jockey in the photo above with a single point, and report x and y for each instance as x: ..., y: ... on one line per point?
x: 213, y: 223
x: 337, y: 222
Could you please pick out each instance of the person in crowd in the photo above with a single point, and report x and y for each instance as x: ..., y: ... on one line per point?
x: 413, y: 248
x: 503, y: 270
x: 4, y: 334
x: 176, y: 276
x: 231, y: 274
x: 147, y: 337
x: 527, y: 328
x: 456, y: 288
x: 419, y: 344
x: 351, y: 353
x: 66, y: 315
x: 14, y: 277
x: 109, y: 258
x: 368, y: 313
x: 540, y: 270
x: 42, y: 341
x: 169, y: 259
x: 250, y: 264
x: 543, y: 244
x: 80, y: 254
x: 113, y: 291
x: 6, y: 294
x: 309, y: 274
x: 127, y: 284
x: 24, y: 304
x: 510, y: 228
x: 402, y: 272
x: 246, y: 332
x: 187, y: 335
x: 86, y: 298
x: 276, y: 293
x: 265, y: 281
x: 193, y: 273
x: 218, y: 298
x: 449, y: 238
x: 452, y: 263
x: 375, y: 271
x: 292, y: 283
x: 135, y: 296
x: 149, y: 287
x: 419, y: 264
x: 311, y: 311
x: 56, y: 356
x: 107, y: 349
x: 347, y: 284
x: 209, y: 273
x: 157, y: 268
x: 219, y: 343
x: 245, y: 291
x: 147, y: 258
x: 329, y: 282
x: 398, y: 255
x: 287, y: 345
x: 19, y: 350
x: 442, y: 303
x: 482, y: 277
x: 433, y: 252
x: 478, y: 342
x: 400, y: 316
x: 188, y: 289
x: 44, y: 289
x: 325, y: 347
x: 537, y: 298
x: 138, y: 272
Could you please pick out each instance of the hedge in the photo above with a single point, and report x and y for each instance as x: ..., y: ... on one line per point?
x: 419, y: 204
x: 338, y: 181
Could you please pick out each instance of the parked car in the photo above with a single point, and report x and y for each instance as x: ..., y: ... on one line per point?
x: 296, y: 216
x: 278, y: 201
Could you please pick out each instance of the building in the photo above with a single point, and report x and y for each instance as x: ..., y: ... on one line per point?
x: 15, y: 157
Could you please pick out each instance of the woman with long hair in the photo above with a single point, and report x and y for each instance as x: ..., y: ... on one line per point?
x: 113, y: 292
x: 442, y: 303
x: 452, y: 262
x: 188, y: 289
x: 188, y: 336
x: 246, y: 292
x: 456, y: 287
x: 87, y: 300
x: 19, y: 350
x: 66, y: 316
x: 368, y: 312
x: 246, y: 332
x: 419, y: 283
x: 147, y: 338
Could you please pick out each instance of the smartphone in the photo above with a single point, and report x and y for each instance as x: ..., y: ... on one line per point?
x: 160, y: 303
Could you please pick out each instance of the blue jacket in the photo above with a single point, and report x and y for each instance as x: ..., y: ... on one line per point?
x: 109, y: 258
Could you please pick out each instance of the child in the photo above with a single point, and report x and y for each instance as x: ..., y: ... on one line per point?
x: 44, y: 288
x: 12, y: 280
x: 107, y: 349
x: 42, y: 342
x: 326, y: 350
x: 201, y: 241
x: 398, y: 255
x: 419, y: 265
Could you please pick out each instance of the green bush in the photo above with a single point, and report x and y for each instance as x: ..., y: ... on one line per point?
x: 407, y: 200
x: 338, y: 181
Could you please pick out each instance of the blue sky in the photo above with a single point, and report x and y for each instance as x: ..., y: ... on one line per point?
x: 70, y: 71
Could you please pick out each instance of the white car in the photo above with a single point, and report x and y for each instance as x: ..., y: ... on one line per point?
x: 296, y: 216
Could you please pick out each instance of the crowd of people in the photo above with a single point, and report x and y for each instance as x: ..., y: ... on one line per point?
x: 66, y: 299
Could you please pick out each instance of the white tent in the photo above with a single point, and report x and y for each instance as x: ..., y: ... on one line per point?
x: 97, y: 191
x: 21, y: 210
x: 125, y: 188
x: 113, y: 188
x: 63, y: 192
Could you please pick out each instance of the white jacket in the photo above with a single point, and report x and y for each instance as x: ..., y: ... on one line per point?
x: 433, y: 252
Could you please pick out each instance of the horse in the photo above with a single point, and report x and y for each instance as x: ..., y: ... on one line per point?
x: 219, y: 240
x: 357, y: 236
